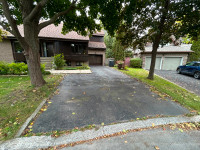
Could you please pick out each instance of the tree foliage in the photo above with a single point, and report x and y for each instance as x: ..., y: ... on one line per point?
x: 155, y: 21
x: 196, y: 48
x: 76, y: 15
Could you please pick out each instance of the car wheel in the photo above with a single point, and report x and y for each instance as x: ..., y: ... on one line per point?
x: 197, y: 75
x: 179, y: 71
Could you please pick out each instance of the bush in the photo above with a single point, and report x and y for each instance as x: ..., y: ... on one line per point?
x: 17, y: 69
x: 83, y: 67
x: 136, y: 63
x: 3, y: 68
x: 58, y: 61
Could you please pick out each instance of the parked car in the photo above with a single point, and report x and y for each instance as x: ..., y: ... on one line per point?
x: 192, y: 68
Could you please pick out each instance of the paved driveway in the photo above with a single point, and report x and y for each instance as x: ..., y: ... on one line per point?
x: 106, y: 96
x: 186, y: 81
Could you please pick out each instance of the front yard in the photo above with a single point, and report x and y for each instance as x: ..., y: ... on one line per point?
x: 18, y: 100
x: 165, y: 88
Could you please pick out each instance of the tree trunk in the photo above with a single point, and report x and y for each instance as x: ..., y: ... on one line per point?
x: 153, y: 59
x: 32, y: 54
x: 157, y: 39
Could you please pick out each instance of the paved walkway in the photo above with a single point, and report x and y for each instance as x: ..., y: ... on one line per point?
x: 70, y: 71
x: 146, y: 140
x: 186, y: 81
x: 36, y: 142
x: 105, y: 96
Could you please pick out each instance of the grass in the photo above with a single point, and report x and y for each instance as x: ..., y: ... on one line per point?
x: 18, y: 100
x: 85, y: 67
x: 166, y: 88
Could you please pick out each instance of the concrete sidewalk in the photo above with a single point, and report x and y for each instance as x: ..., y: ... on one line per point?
x: 70, y: 71
x: 36, y: 142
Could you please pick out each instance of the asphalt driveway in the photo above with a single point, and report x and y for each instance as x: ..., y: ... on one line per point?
x: 105, y: 96
x: 186, y: 81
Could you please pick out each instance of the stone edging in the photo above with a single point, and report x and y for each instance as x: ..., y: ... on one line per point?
x: 36, y: 142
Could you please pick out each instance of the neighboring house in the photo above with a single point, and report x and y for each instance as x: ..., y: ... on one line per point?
x: 77, y: 49
x: 168, y: 57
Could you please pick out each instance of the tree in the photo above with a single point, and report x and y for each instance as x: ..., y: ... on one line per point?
x: 2, y: 34
x: 108, y: 40
x: 76, y: 15
x: 156, y: 21
x: 196, y: 48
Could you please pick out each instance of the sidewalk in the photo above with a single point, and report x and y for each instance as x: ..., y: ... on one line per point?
x: 36, y: 142
x: 70, y: 71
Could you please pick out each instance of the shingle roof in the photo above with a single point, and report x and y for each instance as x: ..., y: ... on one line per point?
x: 97, y: 45
x: 171, y: 48
x: 53, y: 31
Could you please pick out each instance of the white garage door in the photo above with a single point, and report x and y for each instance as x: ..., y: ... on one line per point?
x: 148, y: 63
x: 171, y: 63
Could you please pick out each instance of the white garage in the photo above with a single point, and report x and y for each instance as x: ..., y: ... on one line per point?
x: 168, y: 57
x: 171, y: 63
x: 164, y: 63
x: 148, y: 62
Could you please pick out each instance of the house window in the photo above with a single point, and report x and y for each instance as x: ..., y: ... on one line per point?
x: 78, y: 48
x: 78, y: 63
x: 17, y: 47
x: 68, y: 63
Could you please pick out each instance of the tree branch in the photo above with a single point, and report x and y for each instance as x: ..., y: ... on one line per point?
x: 36, y: 9
x: 5, y: 27
x: 11, y: 20
x: 53, y: 19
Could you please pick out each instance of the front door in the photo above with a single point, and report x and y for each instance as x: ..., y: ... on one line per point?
x: 50, y: 49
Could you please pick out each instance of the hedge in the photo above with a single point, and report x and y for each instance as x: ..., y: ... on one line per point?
x: 17, y: 68
x: 136, y: 63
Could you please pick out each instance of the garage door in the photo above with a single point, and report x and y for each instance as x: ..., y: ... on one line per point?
x: 148, y: 63
x: 95, y: 60
x: 171, y: 63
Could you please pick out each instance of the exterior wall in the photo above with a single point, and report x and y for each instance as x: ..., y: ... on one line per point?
x: 6, y: 53
x: 73, y: 63
x: 98, y: 52
x: 184, y: 56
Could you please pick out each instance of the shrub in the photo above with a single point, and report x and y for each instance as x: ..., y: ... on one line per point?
x: 58, y: 61
x: 18, y: 68
x: 136, y: 63
x: 83, y: 67
x: 3, y: 68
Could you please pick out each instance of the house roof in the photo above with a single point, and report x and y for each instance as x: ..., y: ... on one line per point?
x: 98, y: 45
x: 183, y: 48
x: 52, y: 31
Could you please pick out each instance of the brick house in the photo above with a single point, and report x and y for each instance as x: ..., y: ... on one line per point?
x: 77, y: 49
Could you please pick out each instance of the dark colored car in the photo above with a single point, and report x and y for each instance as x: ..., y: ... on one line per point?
x: 192, y: 68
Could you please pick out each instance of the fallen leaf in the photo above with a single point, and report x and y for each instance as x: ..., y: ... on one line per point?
x: 34, y: 90
x: 49, y: 102
x: 125, y: 142
x: 44, y: 109
x: 30, y: 127
x: 153, y: 125
x: 180, y: 130
x: 157, y: 148
x: 102, y: 123
x: 72, y: 97
x: 84, y: 93
x: 138, y: 118
x: 124, y: 130
x: 73, y: 113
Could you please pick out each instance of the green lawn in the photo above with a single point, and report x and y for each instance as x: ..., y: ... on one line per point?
x: 166, y: 88
x: 18, y: 100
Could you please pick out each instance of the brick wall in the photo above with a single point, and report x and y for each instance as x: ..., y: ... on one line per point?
x: 6, y: 53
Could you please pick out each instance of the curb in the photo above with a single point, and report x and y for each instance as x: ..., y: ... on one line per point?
x: 36, y: 142
x: 23, y: 127
x: 175, y: 84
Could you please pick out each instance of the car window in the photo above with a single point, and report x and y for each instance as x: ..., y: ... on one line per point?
x: 197, y: 64
x: 190, y: 64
